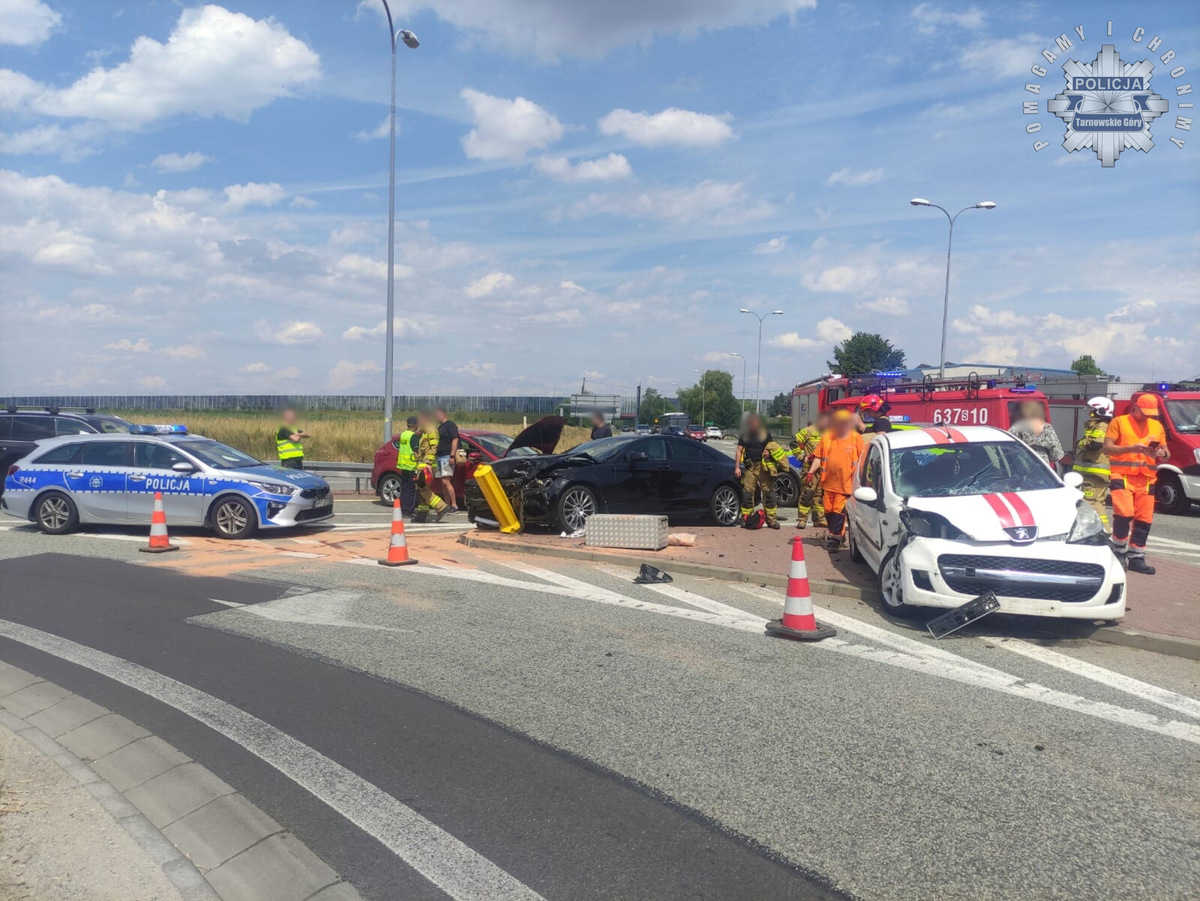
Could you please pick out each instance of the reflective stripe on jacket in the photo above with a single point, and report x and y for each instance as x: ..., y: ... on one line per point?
x: 427, y: 450
x: 1123, y: 430
x: 774, y: 458
x: 287, y: 448
x: 1088, y: 454
x: 406, y: 460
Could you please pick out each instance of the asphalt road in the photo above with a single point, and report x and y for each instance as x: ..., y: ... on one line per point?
x: 585, y: 737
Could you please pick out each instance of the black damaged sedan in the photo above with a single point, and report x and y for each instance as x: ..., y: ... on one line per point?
x: 658, y: 474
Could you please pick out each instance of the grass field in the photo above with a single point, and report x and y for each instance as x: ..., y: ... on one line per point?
x: 344, y: 437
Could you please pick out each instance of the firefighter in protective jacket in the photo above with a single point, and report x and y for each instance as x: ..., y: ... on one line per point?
x: 426, y: 461
x: 809, y: 501
x: 1090, y: 461
x: 758, y: 460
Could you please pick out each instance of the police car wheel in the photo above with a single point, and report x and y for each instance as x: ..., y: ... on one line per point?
x: 56, y: 514
x: 891, y: 586
x: 233, y: 518
x: 389, y: 488
x: 787, y: 490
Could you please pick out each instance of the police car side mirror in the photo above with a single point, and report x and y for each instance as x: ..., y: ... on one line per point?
x: 866, y: 494
x: 183, y: 466
x: 1072, y: 480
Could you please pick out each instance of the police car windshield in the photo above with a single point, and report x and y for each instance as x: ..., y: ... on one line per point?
x: 1185, y: 415
x: 218, y: 455
x: 977, y: 468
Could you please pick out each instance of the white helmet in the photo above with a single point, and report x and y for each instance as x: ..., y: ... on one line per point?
x: 1102, y: 406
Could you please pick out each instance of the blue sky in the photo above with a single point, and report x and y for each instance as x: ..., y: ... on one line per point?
x: 194, y: 198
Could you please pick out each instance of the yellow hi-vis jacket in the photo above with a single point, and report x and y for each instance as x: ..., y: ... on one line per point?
x: 406, y: 460
x: 1089, y: 450
x: 288, y: 449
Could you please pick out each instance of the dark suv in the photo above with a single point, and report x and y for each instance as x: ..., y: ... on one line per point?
x: 21, y: 429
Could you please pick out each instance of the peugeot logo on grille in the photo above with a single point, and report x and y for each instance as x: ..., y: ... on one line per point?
x: 1022, y: 533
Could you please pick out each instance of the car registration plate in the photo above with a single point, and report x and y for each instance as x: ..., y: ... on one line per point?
x: 323, y: 502
x: 963, y: 616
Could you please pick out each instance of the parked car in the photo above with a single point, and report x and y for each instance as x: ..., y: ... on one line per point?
x: 654, y: 474
x: 943, y: 515
x: 112, y: 479
x: 481, y: 446
x: 642, y: 428
x: 21, y: 429
x: 713, y: 432
x: 697, y: 431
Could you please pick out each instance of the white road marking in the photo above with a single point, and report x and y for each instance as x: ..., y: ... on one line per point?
x: 226, y: 603
x: 1135, y: 687
x: 315, y: 608
x: 456, y: 869
x: 1172, y: 542
x: 682, y: 595
x: 304, y: 555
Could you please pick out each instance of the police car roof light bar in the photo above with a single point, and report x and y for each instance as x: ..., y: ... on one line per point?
x: 158, y: 430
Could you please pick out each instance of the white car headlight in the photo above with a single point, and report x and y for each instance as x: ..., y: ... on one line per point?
x: 272, y: 488
x: 1087, y: 528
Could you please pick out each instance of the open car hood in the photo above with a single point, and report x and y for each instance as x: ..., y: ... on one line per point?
x: 1007, y: 516
x: 542, y: 436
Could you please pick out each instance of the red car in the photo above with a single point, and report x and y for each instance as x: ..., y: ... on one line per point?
x: 480, y: 446
x: 697, y: 431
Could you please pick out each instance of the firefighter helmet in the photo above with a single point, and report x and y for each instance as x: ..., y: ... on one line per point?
x: 1102, y: 406
x: 872, y: 402
x: 424, y: 476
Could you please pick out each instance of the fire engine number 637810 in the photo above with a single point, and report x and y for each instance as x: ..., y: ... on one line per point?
x: 961, y: 415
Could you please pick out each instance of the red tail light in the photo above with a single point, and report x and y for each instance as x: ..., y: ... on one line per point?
x: 12, y: 470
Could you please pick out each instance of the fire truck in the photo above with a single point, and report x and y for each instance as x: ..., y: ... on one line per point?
x: 955, y: 401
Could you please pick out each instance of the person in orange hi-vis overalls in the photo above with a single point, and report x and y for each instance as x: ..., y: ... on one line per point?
x: 834, y: 460
x: 1134, y: 443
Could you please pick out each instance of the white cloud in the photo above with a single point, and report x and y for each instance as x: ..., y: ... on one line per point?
x: 185, y: 352
x: 679, y: 127
x: 489, y: 283
x: 303, y: 203
x: 1002, y: 58
x: 793, y: 341
x: 607, y: 168
x: 772, y: 246
x: 853, y: 179
x: 151, y: 382
x: 829, y: 331
x: 558, y: 28
x: 259, y: 368
x: 886, y: 306
x: 26, y: 23
x: 382, y: 130
x: 290, y: 332
x: 833, y: 330
x: 141, y: 346
x: 416, y: 325
x: 364, y: 267
x: 709, y: 202
x: 253, y: 194
x: 346, y: 374
x: 210, y: 50
x: 506, y: 130
x: 571, y: 286
x: 474, y: 368
x: 843, y: 279
x: 179, y: 162
x: 930, y: 18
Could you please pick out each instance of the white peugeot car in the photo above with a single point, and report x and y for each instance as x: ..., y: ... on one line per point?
x: 943, y: 515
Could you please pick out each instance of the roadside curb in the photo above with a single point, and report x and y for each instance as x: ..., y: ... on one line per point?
x: 209, y: 840
x: 1170, y: 645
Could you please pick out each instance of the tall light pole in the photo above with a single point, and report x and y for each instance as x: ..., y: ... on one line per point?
x: 410, y: 41
x: 703, y: 385
x: 982, y: 205
x: 736, y: 354
x: 758, y: 364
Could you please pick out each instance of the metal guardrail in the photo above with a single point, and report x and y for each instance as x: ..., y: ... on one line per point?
x: 357, y: 469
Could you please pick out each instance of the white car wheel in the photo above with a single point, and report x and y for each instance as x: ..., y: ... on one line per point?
x: 891, y: 586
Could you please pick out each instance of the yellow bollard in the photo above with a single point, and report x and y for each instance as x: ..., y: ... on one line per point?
x: 497, y: 501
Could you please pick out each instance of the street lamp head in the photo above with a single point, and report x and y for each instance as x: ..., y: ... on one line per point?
x: 409, y: 39
x: 985, y: 205
x: 919, y: 201
x: 743, y: 310
x: 777, y: 312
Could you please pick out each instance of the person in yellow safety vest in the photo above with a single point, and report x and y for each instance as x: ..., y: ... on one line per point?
x: 1134, y: 444
x: 1090, y: 461
x: 809, y: 501
x: 756, y: 462
x: 289, y: 440
x: 426, y: 460
x: 407, y: 446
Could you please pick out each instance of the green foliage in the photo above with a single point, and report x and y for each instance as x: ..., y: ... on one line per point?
x: 719, y: 404
x: 863, y: 353
x: 1086, y: 366
x: 654, y: 405
x: 781, y: 405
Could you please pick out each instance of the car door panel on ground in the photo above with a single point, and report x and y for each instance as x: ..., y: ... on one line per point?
x: 185, y: 494
x: 97, y: 477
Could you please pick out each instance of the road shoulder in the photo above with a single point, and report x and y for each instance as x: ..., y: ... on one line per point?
x: 142, y: 819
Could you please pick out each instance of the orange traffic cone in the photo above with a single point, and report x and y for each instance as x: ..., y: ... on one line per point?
x: 398, y: 549
x: 798, y: 619
x: 159, y: 543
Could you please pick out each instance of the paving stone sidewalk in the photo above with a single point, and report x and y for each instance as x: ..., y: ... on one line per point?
x: 211, y: 842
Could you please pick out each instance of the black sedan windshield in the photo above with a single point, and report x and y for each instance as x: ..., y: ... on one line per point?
x: 978, y: 468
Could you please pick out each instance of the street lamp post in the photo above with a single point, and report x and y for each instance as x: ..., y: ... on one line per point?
x: 982, y: 205
x: 703, y: 385
x: 736, y: 354
x: 758, y: 363
x: 410, y: 41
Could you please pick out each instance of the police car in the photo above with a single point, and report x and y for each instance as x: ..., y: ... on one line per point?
x: 112, y: 479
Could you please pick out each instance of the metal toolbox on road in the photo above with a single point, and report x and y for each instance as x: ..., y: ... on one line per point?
x: 646, y: 533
